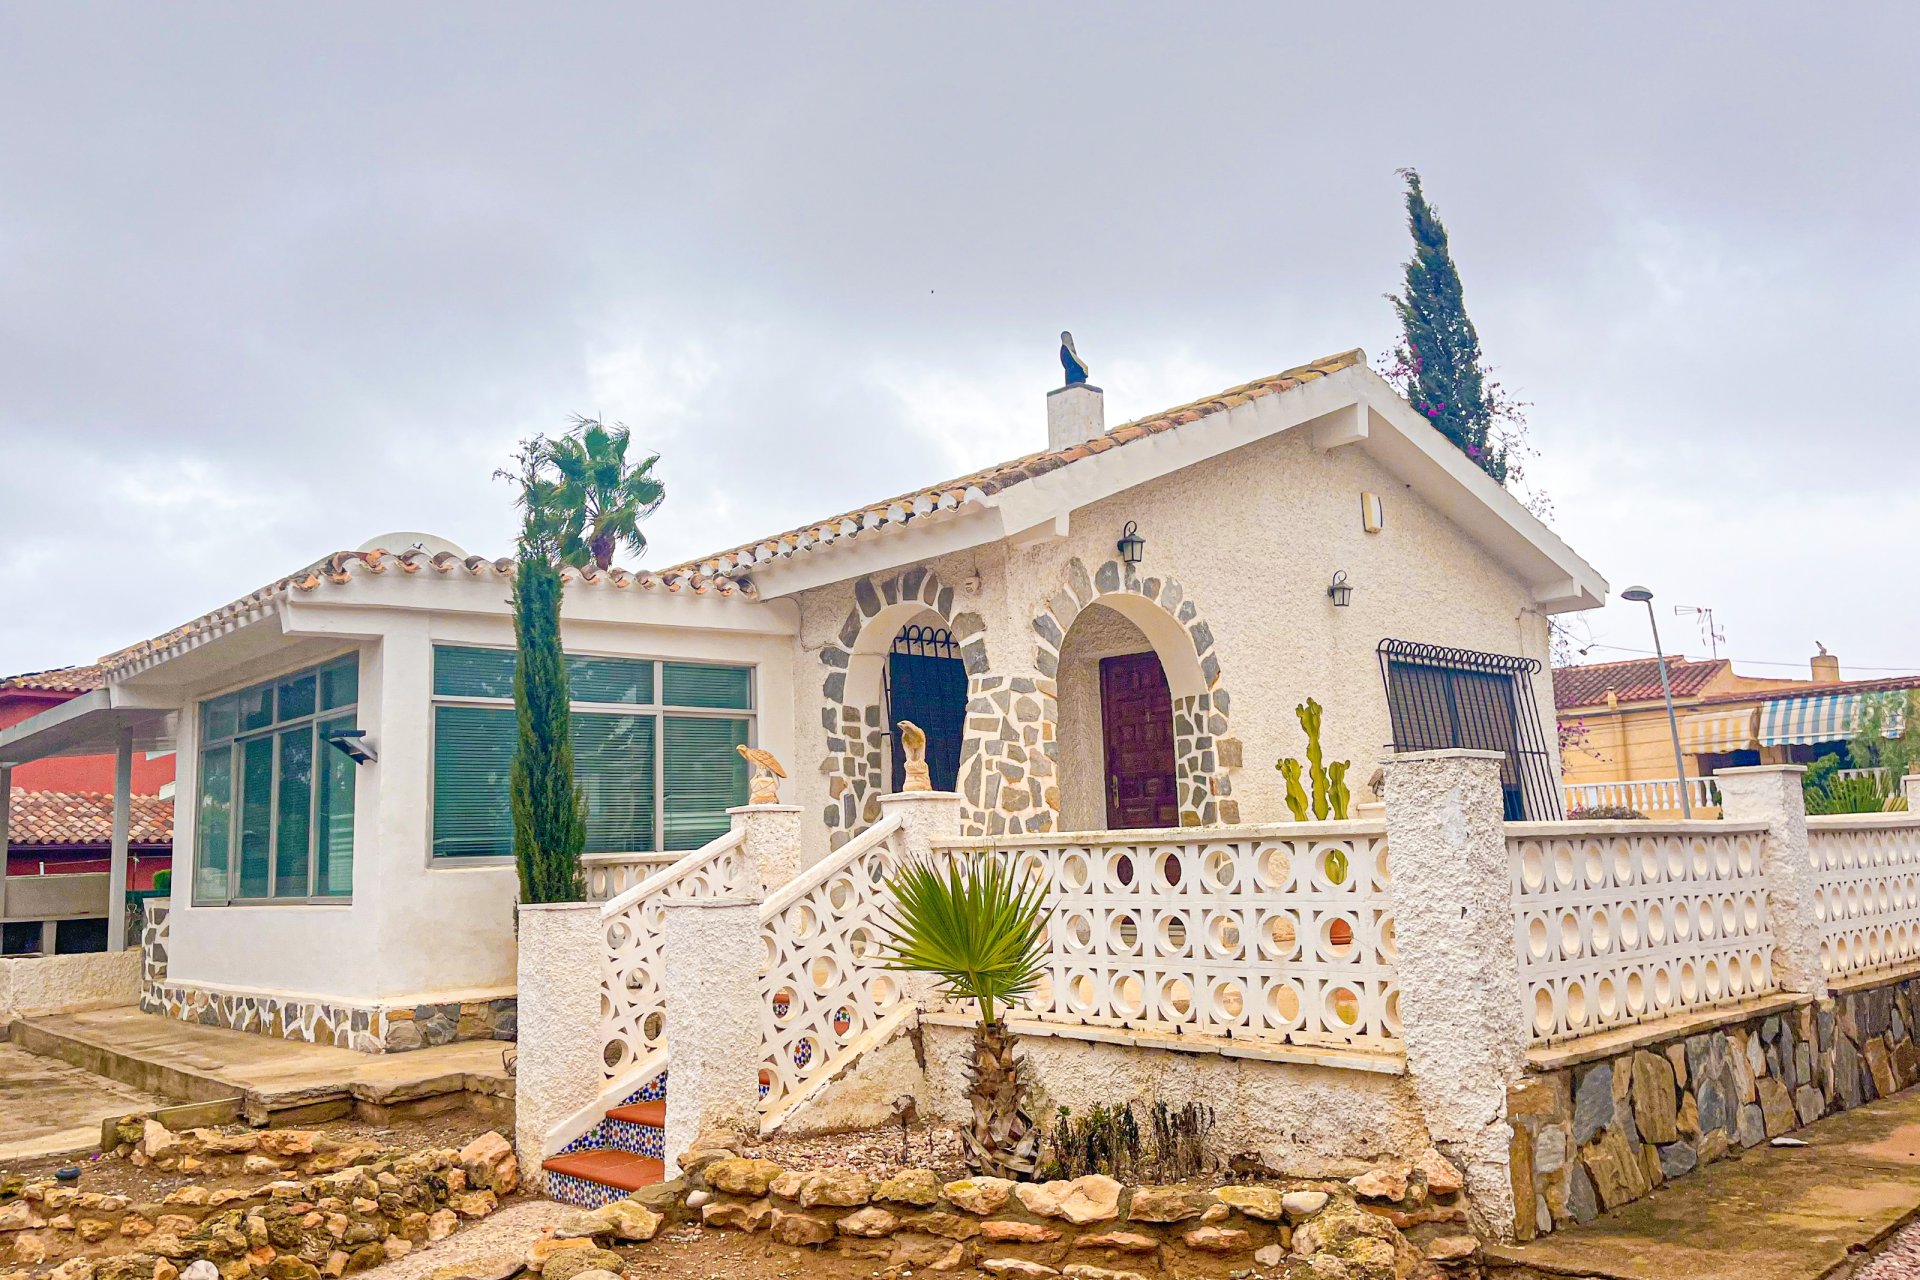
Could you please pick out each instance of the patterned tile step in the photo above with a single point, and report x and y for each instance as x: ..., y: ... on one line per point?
x: 623, y: 1171
x: 647, y: 1113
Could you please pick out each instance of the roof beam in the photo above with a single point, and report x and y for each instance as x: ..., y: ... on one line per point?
x: 1345, y: 425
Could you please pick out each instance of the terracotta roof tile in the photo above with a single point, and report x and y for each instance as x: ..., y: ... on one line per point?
x: 59, y: 680
x: 966, y: 489
x: 85, y: 817
x: 343, y: 566
x: 1636, y: 680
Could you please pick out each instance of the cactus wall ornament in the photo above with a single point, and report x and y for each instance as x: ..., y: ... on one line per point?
x: 1329, y: 782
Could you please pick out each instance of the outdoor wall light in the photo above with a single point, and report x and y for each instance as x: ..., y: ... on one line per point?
x: 353, y: 744
x: 1131, y: 544
x: 1340, y: 591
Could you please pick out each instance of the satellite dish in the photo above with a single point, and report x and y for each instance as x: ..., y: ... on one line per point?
x: 401, y: 541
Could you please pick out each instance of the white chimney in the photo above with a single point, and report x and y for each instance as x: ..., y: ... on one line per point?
x: 1075, y: 413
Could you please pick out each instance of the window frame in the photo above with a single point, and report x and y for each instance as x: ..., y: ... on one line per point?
x: 235, y: 741
x: 658, y: 709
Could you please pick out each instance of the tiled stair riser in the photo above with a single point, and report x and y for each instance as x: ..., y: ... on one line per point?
x: 611, y: 1135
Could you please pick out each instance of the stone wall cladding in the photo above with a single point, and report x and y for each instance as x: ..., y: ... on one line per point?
x: 855, y: 764
x: 153, y: 947
x: 1203, y: 753
x: 1599, y: 1135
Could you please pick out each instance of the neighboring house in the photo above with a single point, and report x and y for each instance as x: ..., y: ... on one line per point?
x: 1112, y: 632
x: 60, y: 825
x: 1618, y: 746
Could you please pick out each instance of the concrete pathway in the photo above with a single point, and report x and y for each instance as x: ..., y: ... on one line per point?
x: 188, y: 1062
x: 1776, y: 1213
x: 49, y: 1108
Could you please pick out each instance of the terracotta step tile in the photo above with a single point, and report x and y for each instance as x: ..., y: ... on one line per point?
x: 620, y: 1169
x: 648, y: 1113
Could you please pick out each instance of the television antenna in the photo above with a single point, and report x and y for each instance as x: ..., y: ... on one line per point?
x: 1709, y: 630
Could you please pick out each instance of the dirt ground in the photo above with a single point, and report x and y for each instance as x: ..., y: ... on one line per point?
x: 874, y: 1152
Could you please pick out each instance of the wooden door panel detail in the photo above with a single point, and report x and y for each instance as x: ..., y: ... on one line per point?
x: 1136, y: 714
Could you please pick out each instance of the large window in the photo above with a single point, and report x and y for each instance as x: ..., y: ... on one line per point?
x: 275, y: 815
x: 653, y: 750
x: 1440, y: 698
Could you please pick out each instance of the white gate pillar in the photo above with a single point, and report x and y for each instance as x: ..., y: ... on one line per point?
x: 1771, y: 793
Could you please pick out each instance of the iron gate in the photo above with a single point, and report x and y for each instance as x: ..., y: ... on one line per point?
x: 927, y: 684
x: 1439, y: 698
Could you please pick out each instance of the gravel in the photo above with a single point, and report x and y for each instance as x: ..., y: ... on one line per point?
x: 1898, y: 1259
x: 874, y: 1152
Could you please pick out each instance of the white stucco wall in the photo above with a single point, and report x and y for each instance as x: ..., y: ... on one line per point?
x: 416, y: 930
x: 63, y: 984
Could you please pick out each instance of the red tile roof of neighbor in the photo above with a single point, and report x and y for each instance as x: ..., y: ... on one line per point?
x: 86, y: 818
x: 59, y: 680
x: 1636, y: 680
x: 965, y: 489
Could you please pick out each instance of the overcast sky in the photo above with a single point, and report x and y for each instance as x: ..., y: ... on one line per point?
x: 271, y: 284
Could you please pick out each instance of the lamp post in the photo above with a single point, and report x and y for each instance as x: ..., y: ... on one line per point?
x: 1644, y: 596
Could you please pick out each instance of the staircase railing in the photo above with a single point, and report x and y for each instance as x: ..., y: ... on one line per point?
x: 611, y: 874
x: 632, y: 1001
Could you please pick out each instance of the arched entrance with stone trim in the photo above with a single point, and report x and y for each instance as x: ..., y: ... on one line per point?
x: 858, y: 765
x: 1137, y: 727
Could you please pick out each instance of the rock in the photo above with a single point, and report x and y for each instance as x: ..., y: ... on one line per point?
x: 1582, y: 1204
x: 738, y: 1177
x: 799, y: 1229
x: 1303, y: 1204
x: 490, y: 1165
x: 1094, y: 1198
x: 999, y: 1231
x: 1750, y: 1126
x: 578, y: 1224
x: 927, y: 1251
x: 949, y: 1226
x: 1788, y: 1142
x: 548, y: 1247
x: 1616, y: 1169
x: 29, y: 1249
x: 186, y: 1196
x: 1549, y: 1149
x: 1443, y: 1179
x: 1716, y: 1112
x: 441, y: 1223
x: 1452, y: 1248
x: 288, y: 1142
x: 917, y: 1187
x: 629, y: 1220
x: 870, y: 1223
x: 1218, y: 1240
x: 1677, y: 1159
x: 569, y: 1263
x: 1776, y: 1107
x: 1808, y: 1104
x: 1382, y: 1182
x: 135, y: 1225
x: 397, y: 1247
x: 1655, y: 1100
x: 836, y: 1188
x: 979, y: 1195
x: 286, y: 1267
x: 1269, y: 1255
x: 1262, y: 1204
x: 1018, y: 1267
x: 473, y: 1204
x: 1592, y: 1103
x: 18, y: 1215
x: 598, y: 1275
x: 258, y: 1164
x: 156, y: 1139
x: 735, y: 1216
x: 1080, y: 1271
x: 81, y: 1269
x: 201, y: 1270
x: 1167, y: 1204
x: 1119, y: 1242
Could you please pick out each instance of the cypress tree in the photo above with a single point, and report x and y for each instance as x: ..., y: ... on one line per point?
x: 1437, y: 365
x: 549, y: 810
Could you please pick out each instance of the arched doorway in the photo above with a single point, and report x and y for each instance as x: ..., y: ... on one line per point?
x: 1116, y: 740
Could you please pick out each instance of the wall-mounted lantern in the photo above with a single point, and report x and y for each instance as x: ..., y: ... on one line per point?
x: 1340, y: 591
x: 1131, y: 544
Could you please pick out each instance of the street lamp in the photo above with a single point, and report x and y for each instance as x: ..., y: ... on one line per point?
x: 1641, y: 595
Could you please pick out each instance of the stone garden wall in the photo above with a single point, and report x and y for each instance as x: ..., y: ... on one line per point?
x: 1592, y: 1136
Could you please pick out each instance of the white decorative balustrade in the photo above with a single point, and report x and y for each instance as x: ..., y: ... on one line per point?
x: 1868, y: 900
x: 823, y: 984
x: 611, y: 874
x: 632, y: 1002
x: 1281, y: 934
x: 1620, y: 922
x: 1655, y: 797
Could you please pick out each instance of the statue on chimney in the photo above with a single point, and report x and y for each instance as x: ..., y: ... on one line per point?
x: 1070, y: 360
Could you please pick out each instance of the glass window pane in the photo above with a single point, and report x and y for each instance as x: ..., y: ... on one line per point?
x: 219, y: 718
x: 699, y: 685
x: 256, y: 815
x: 473, y: 673
x: 472, y: 758
x: 705, y: 777
x: 291, y: 846
x: 625, y: 680
x: 213, y: 828
x: 613, y: 766
x: 296, y: 697
x: 333, y: 815
x: 256, y: 707
x: 340, y: 684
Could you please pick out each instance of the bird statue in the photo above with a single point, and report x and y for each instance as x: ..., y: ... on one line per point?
x: 1070, y: 360
x: 765, y: 786
x: 913, y: 745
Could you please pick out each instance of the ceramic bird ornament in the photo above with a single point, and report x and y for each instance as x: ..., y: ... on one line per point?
x: 1070, y: 360
x: 765, y: 786
x: 913, y: 746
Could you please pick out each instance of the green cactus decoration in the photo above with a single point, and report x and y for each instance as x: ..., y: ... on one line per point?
x: 1330, y: 791
x: 1296, y: 795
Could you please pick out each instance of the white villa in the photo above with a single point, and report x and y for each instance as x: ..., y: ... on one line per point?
x: 1112, y: 632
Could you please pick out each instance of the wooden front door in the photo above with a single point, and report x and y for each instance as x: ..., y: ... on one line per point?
x: 1136, y: 710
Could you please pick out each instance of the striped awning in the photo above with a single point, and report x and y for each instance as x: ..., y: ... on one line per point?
x: 1820, y: 717
x: 1718, y: 731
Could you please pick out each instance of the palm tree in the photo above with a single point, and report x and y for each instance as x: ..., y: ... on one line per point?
x: 982, y: 931
x: 595, y: 497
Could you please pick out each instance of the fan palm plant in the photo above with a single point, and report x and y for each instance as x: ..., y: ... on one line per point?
x: 982, y: 931
x: 596, y: 498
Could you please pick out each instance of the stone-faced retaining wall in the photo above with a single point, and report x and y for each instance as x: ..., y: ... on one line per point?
x: 1598, y: 1135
